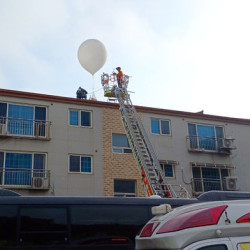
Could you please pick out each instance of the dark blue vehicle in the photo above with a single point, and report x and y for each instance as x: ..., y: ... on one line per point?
x: 28, y: 222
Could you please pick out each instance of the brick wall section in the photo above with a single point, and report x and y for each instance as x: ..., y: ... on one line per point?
x: 117, y: 166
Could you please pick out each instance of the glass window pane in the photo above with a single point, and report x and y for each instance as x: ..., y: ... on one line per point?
x: 155, y: 126
x: 74, y: 165
x: 224, y: 173
x: 192, y: 136
x: 165, y: 127
x: 3, y: 112
x: 43, y: 226
x: 20, y: 119
x: 18, y: 169
x: 219, y: 132
x: 86, y: 164
x: 93, y: 225
x: 8, y: 222
x: 1, y: 159
x: 191, y: 129
x: 39, y: 165
x: 168, y: 169
x: 40, y: 117
x: 1, y: 167
x: 85, y: 119
x: 40, y: 113
x: 211, y: 179
x: 124, y: 186
x: 206, y: 137
x: 117, y: 150
x: 73, y: 117
x: 43, y: 219
x: 119, y: 140
x: 196, y: 172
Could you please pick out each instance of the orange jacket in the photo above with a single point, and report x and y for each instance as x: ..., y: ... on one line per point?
x: 119, y: 76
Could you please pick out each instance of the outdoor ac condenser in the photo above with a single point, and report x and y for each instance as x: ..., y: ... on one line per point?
x: 231, y: 183
x: 40, y: 183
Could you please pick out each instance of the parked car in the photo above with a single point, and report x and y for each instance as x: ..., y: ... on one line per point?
x: 219, y: 225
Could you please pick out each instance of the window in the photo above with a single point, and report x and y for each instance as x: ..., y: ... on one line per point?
x: 160, y: 126
x: 98, y: 226
x: 168, y: 170
x: 23, y: 120
x: 8, y: 222
x: 80, y: 118
x: 120, y: 144
x: 3, y: 112
x: 206, y: 179
x: 206, y: 137
x: 19, y: 168
x: 43, y: 225
x: 80, y: 164
x: 125, y: 188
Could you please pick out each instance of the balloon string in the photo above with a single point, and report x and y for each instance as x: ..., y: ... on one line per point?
x: 93, y: 85
x: 96, y: 91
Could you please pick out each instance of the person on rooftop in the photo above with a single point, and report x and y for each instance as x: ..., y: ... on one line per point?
x: 119, y: 77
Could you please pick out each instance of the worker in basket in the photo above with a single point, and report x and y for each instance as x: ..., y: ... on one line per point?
x: 119, y: 77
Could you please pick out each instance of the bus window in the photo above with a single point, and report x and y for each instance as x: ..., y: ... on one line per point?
x: 8, y: 224
x: 43, y: 225
x: 105, y: 223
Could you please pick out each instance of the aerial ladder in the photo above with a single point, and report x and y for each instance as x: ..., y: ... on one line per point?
x: 152, y: 174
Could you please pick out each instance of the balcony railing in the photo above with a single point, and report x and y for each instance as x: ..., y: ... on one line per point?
x: 25, y: 178
x: 203, y: 185
x: 18, y: 127
x: 210, y: 144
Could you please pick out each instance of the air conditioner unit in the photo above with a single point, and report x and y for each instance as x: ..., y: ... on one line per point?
x: 3, y: 129
x: 227, y: 143
x: 40, y: 183
x: 231, y: 183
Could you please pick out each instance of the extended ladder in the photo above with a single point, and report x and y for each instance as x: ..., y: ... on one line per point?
x: 145, y: 156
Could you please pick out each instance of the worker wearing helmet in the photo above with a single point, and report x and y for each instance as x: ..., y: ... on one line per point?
x: 119, y: 77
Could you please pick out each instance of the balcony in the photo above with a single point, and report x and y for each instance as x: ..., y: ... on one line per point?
x: 201, y: 185
x: 25, y: 128
x: 210, y: 144
x: 25, y: 179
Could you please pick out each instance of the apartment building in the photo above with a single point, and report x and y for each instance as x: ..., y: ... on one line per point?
x: 52, y: 145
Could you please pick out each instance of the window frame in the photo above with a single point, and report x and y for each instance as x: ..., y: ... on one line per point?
x: 195, y: 144
x: 162, y: 164
x: 125, y: 194
x: 160, y: 120
x: 79, y: 116
x: 32, y: 170
x: 121, y: 149
x: 205, y: 180
x: 7, y: 118
x: 80, y: 167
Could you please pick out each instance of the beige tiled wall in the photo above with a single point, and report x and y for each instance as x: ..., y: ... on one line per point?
x: 117, y: 166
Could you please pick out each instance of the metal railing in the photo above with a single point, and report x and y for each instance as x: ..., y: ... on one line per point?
x: 201, y: 185
x: 25, y: 128
x: 205, y: 143
x: 25, y: 178
x: 180, y: 191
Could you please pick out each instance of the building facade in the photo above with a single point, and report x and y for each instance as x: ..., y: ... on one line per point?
x: 51, y: 145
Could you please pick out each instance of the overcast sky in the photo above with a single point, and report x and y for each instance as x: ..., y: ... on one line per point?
x: 186, y: 55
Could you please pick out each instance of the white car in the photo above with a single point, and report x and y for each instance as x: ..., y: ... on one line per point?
x: 221, y: 225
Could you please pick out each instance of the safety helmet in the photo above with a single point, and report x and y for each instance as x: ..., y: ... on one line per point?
x: 118, y: 68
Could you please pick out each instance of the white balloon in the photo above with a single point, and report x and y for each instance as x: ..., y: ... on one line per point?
x: 92, y: 55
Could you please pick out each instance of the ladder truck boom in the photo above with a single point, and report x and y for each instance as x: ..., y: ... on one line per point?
x: 152, y: 175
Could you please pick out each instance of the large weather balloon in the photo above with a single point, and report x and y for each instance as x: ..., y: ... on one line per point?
x: 92, y: 55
